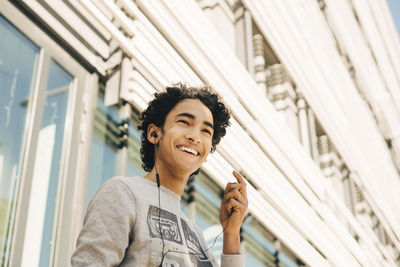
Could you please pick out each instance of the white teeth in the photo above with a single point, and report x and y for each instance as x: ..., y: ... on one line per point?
x: 186, y: 149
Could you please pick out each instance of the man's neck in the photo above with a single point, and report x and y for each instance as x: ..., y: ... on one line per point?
x: 172, y: 181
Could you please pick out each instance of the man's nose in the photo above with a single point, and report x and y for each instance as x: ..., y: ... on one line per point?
x: 194, y: 136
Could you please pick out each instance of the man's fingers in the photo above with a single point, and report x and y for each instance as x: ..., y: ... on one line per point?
x: 234, y: 205
x: 235, y: 194
x: 239, y: 177
x: 232, y: 186
x: 241, y: 185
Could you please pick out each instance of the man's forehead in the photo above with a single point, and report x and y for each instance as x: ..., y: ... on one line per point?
x: 193, y: 109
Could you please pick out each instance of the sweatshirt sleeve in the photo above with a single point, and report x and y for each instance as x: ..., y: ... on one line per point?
x: 107, y: 227
x: 232, y: 260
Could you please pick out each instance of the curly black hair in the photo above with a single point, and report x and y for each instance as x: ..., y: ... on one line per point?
x: 164, y: 102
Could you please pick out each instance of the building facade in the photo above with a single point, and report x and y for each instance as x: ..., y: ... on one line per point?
x: 314, y: 91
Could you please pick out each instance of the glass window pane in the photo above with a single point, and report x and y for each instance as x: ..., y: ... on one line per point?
x: 18, y: 61
x: 41, y: 222
x: 207, y: 203
x: 259, y: 247
x: 134, y: 164
x: 185, y: 208
x: 104, y: 148
x: 253, y: 261
x: 286, y: 261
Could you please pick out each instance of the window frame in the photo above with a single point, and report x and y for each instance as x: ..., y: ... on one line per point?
x: 84, y: 86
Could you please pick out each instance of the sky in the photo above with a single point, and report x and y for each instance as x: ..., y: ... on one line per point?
x: 394, y: 6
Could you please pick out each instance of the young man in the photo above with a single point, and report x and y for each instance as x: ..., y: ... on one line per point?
x: 137, y: 221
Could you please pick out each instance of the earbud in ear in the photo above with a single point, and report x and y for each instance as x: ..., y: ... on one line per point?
x: 155, y: 135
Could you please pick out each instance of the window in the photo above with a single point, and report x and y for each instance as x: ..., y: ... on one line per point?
x: 48, y: 166
x: 18, y: 64
x: 42, y: 88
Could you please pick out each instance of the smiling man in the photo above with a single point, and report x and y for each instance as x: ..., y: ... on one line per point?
x: 137, y: 221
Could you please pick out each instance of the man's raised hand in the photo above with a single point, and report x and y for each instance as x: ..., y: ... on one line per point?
x: 232, y: 212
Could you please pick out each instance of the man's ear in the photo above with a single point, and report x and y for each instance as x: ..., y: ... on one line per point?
x: 153, y: 133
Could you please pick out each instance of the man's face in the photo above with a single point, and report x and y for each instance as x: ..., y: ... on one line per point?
x: 186, y: 137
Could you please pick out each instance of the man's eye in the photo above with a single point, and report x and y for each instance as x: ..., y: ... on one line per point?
x: 207, y: 131
x: 184, y: 122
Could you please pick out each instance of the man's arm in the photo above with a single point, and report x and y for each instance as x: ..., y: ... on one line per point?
x: 107, y: 227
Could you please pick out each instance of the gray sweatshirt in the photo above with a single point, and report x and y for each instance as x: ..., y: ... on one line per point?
x: 122, y: 228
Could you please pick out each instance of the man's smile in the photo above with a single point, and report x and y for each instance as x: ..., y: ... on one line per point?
x: 188, y: 150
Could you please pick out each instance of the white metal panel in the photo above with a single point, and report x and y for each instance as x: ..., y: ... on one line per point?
x: 341, y: 135
x: 80, y: 27
x: 65, y: 34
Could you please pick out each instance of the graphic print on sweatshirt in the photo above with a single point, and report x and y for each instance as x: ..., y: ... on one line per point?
x: 171, y: 231
x: 169, y: 225
x: 197, y: 255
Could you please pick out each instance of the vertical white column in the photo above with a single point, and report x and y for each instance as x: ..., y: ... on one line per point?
x: 240, y: 35
x: 396, y: 151
x: 221, y: 15
x: 283, y: 95
x: 248, y: 23
x: 313, y: 135
x: 277, y: 95
x: 259, y: 63
x: 325, y: 160
x: 303, y: 123
x: 331, y: 165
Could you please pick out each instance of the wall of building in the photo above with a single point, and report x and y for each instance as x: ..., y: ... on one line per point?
x: 314, y: 91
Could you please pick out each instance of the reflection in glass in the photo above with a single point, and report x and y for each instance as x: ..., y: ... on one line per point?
x: 286, y: 261
x: 253, y: 261
x: 106, y: 144
x: 207, y: 211
x: 134, y: 164
x: 104, y: 148
x: 261, y: 249
x: 18, y: 61
x: 42, y: 212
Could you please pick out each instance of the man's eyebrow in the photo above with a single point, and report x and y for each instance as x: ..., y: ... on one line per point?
x: 209, y: 124
x: 184, y: 114
x: 191, y: 116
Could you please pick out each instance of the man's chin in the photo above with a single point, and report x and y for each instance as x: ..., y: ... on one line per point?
x: 188, y: 169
